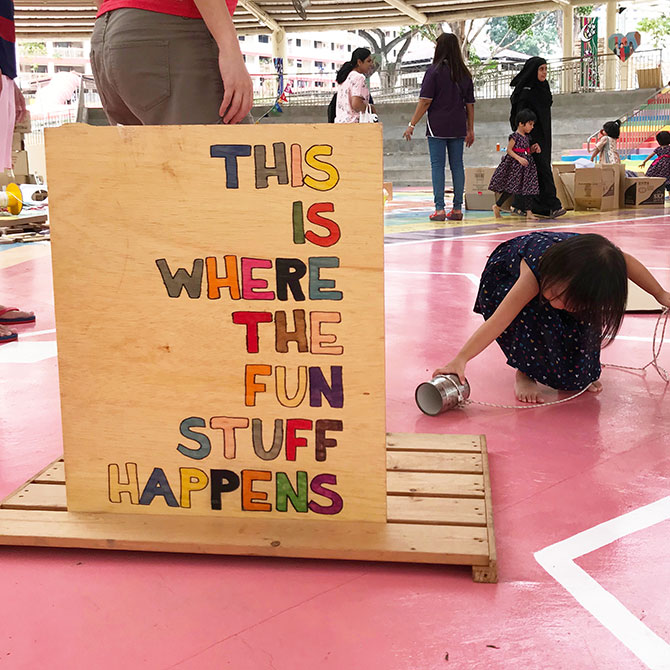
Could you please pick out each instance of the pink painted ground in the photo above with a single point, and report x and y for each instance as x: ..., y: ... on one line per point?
x: 555, y: 471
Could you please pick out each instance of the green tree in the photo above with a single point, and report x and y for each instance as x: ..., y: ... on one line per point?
x: 658, y: 28
x: 531, y: 34
x: 33, y: 48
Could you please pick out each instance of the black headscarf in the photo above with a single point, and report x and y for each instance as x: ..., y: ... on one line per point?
x: 527, y: 79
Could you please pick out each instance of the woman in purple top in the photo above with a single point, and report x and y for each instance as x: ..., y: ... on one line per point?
x: 448, y: 97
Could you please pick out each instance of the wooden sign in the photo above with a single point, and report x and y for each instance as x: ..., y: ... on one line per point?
x: 219, y: 307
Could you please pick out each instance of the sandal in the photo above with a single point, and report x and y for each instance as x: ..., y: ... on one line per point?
x: 9, y: 337
x: 16, y: 320
x: 437, y: 216
x: 455, y: 216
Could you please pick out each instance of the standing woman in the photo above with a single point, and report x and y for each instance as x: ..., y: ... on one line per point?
x: 447, y: 95
x: 531, y: 91
x: 353, y: 95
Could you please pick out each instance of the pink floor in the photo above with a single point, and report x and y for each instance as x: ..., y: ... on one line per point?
x: 556, y: 472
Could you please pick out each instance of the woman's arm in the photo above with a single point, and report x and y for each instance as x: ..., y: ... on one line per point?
x: 639, y: 274
x: 523, y: 291
x: 470, y: 133
x: 357, y: 103
x: 421, y: 108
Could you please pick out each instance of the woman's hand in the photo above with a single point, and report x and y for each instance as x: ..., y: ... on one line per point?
x: 408, y: 133
x: 523, y: 161
x: 453, y: 367
x: 664, y: 298
x: 469, y: 138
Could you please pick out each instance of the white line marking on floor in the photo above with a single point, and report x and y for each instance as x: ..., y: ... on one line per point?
x: 525, y: 229
x: 558, y: 560
x: 22, y: 336
x: 473, y: 278
x: 27, y: 352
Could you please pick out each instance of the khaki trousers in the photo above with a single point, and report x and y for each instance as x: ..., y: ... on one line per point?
x: 156, y: 69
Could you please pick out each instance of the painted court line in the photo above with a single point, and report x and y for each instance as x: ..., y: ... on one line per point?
x: 528, y: 229
x: 558, y: 560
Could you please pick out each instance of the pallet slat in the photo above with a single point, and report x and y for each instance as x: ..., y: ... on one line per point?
x: 423, y: 461
x: 432, y: 442
x: 38, y: 497
x: 54, y: 474
x: 434, y: 484
x: 440, y: 511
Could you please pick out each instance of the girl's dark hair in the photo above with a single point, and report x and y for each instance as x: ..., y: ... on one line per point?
x: 591, y: 274
x: 524, y: 116
x: 663, y: 138
x: 448, y: 50
x: 358, y: 54
x: 612, y: 129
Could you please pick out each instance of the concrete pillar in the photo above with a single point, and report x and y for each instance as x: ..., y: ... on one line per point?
x: 279, y: 44
x: 568, y: 48
x: 610, y: 58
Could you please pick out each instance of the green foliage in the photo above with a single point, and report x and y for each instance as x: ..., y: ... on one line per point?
x: 658, y: 28
x: 531, y: 34
x: 33, y: 48
x: 586, y: 10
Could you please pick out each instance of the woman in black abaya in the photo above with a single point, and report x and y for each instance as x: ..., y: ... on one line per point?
x: 531, y: 91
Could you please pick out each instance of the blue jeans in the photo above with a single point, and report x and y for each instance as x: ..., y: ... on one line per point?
x: 438, y: 148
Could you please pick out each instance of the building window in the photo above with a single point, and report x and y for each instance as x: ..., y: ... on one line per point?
x: 332, y: 46
x: 264, y: 60
x: 318, y: 44
x: 298, y: 63
x: 349, y: 48
x: 319, y: 64
x: 333, y: 66
x: 298, y: 42
x: 264, y: 39
x: 241, y: 38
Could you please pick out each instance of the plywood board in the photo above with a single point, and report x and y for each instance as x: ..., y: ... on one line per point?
x: 230, y: 359
x: 641, y: 301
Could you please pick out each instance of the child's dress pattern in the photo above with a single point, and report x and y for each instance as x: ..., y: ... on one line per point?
x: 660, y: 167
x: 512, y: 177
x: 549, y: 345
x: 608, y: 151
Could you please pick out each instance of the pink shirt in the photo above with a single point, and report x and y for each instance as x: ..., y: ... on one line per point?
x: 354, y: 84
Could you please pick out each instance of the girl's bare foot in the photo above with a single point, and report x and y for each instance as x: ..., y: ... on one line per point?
x: 596, y: 387
x: 526, y: 389
x: 496, y: 212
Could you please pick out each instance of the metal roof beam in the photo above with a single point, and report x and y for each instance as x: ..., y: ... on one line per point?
x: 262, y: 16
x: 409, y: 10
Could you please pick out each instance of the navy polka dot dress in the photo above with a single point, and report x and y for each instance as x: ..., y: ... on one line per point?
x: 549, y: 345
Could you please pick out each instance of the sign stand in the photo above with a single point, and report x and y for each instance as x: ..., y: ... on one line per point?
x: 219, y: 304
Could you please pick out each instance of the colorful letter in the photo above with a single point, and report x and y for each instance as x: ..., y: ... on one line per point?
x: 285, y: 491
x: 174, y: 283
x: 251, y: 386
x: 230, y: 152
x: 251, y: 321
x: 319, y: 339
x: 185, y: 430
x: 192, y: 479
x: 336, y: 500
x: 294, y: 441
x: 322, y: 442
x: 158, y: 485
x: 318, y: 386
x: 251, y: 288
x: 280, y: 386
x: 229, y: 424
x: 296, y: 165
x: 316, y: 284
x: 230, y: 281
x: 252, y: 501
x: 289, y: 272
x: 257, y: 439
x: 283, y: 336
x: 314, y: 216
x: 332, y: 175
x: 116, y: 487
x: 223, y: 481
x: 264, y: 171
x: 298, y: 224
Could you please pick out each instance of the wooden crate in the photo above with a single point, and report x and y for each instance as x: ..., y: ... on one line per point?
x: 438, y: 511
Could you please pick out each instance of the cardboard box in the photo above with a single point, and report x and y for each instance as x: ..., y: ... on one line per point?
x: 477, y: 194
x: 564, y: 180
x: 598, y: 187
x: 20, y: 162
x: 17, y: 142
x: 639, y: 191
x: 25, y: 125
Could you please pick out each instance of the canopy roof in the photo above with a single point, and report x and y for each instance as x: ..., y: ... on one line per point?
x: 44, y: 19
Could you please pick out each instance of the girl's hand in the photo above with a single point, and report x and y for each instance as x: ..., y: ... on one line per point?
x: 523, y: 162
x: 408, y: 133
x: 664, y: 298
x: 535, y: 149
x: 453, y: 367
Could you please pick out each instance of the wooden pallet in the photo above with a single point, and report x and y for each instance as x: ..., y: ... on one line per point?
x: 438, y: 508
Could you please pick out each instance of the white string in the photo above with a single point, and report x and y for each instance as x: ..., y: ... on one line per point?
x: 655, y: 350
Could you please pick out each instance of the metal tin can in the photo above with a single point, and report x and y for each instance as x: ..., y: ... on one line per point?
x: 441, y: 393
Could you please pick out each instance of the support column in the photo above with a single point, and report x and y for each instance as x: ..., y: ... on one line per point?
x: 568, y: 48
x: 610, y: 58
x: 279, y: 44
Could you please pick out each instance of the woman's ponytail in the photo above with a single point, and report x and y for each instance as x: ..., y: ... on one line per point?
x: 359, y: 54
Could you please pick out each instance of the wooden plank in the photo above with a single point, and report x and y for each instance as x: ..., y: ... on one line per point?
x: 37, y: 497
x: 434, y: 484
x: 436, y: 511
x: 54, y: 474
x: 488, y: 574
x: 415, y: 543
x: 427, y: 461
x: 432, y: 442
